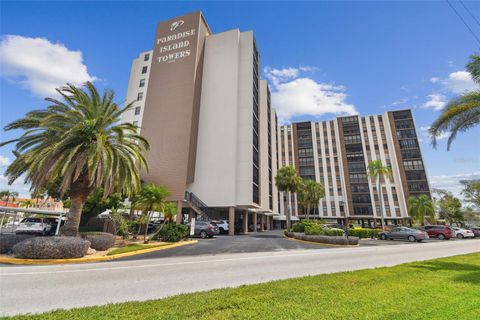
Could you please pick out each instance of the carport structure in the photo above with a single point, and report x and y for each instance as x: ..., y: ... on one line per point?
x: 14, y: 215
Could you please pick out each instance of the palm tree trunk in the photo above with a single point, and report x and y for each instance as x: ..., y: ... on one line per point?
x: 381, y: 204
x: 149, y: 214
x: 78, y: 193
x: 289, y: 211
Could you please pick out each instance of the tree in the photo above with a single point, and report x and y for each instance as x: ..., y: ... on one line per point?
x: 461, y: 113
x: 80, y: 141
x: 471, y: 191
x: 310, y: 193
x: 37, y: 195
x: 96, y: 204
x: 449, y: 207
x: 376, y: 172
x: 27, y: 203
x: 420, y: 208
x: 151, y: 198
x: 288, y: 180
x: 7, y: 194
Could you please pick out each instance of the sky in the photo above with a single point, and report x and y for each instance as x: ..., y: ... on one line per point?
x: 322, y: 60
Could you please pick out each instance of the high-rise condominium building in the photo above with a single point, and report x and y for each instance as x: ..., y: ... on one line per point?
x: 200, y: 103
x: 336, y: 153
x: 216, y: 145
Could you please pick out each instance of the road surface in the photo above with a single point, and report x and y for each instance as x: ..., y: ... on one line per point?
x: 33, y: 289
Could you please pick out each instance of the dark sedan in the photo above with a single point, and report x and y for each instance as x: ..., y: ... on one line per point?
x: 404, y: 233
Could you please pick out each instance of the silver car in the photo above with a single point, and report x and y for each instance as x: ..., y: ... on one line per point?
x: 404, y: 233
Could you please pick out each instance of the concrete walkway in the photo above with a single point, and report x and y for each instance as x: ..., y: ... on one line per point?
x: 42, y: 288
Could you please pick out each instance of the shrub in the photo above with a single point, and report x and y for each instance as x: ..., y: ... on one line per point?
x: 172, y: 232
x: 8, y: 240
x: 327, y: 239
x: 364, y: 232
x: 313, y: 229
x: 333, y: 232
x: 99, y: 240
x: 298, y: 227
x: 51, y: 248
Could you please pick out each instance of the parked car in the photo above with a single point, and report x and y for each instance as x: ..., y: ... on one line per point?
x: 476, y: 231
x: 222, y: 226
x: 205, y: 229
x: 440, y: 232
x: 461, y: 233
x: 41, y: 226
x: 404, y: 233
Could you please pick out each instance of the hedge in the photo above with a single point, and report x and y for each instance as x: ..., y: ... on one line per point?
x: 99, y: 240
x: 338, y: 240
x: 51, y: 248
x: 172, y: 232
x: 364, y: 232
x: 8, y: 240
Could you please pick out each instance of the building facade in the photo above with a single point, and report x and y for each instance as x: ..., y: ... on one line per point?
x: 336, y: 154
x: 199, y: 101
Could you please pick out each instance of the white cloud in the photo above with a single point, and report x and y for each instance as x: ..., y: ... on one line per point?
x: 434, y: 79
x: 18, y: 186
x: 452, y: 182
x: 4, y: 161
x: 396, y: 103
x: 436, y: 102
x: 40, y: 65
x: 426, y: 135
x: 459, y: 82
x: 293, y: 94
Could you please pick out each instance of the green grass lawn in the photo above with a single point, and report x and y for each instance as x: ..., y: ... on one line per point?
x: 133, y: 247
x: 437, y: 289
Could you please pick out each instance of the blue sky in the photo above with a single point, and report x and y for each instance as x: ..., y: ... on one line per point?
x: 328, y: 57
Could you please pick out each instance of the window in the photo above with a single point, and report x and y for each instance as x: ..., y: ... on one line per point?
x: 413, y: 165
x: 142, y: 83
x: 140, y: 96
x: 146, y: 57
x: 144, y: 70
x: 137, y: 110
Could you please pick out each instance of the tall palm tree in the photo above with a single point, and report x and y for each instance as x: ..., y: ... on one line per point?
x: 462, y: 113
x: 79, y: 139
x: 420, y: 208
x: 151, y: 198
x: 310, y: 193
x: 376, y: 172
x: 288, y: 180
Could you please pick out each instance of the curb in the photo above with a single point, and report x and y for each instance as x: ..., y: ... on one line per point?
x: 323, y: 244
x: 94, y: 259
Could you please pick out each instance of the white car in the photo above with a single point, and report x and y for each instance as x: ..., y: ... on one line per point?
x: 461, y: 233
x: 222, y: 225
x: 36, y: 225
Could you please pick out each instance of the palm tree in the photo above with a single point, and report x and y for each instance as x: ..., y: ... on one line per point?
x: 151, y: 198
x: 462, y: 113
x: 27, y: 203
x: 421, y: 208
x: 7, y: 194
x: 288, y: 180
x: 80, y: 141
x: 310, y: 193
x: 377, y: 171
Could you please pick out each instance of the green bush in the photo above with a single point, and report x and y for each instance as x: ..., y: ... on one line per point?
x: 364, y: 232
x: 300, y: 226
x: 333, y: 232
x: 314, y: 229
x: 172, y: 232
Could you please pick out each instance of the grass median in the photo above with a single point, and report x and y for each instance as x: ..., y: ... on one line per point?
x: 446, y: 288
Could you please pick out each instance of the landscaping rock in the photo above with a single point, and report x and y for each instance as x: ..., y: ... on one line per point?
x: 99, y: 240
x: 8, y: 240
x: 51, y: 248
x: 91, y: 251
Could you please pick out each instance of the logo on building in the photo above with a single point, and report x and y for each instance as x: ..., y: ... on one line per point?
x: 176, y: 24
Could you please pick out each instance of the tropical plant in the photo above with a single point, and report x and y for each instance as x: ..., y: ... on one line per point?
x: 27, y: 203
x: 287, y: 180
x: 150, y: 199
x: 39, y: 194
x: 461, y: 113
x: 310, y: 193
x: 96, y: 203
x: 449, y: 207
x: 80, y: 141
x: 377, y: 171
x: 471, y: 191
x: 7, y: 194
x: 421, y: 208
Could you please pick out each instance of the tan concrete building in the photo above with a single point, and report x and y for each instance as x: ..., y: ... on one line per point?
x: 200, y: 103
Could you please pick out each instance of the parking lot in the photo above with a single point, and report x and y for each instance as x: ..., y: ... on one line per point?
x: 267, y: 241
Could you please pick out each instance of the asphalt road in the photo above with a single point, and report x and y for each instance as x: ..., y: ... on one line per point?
x: 33, y: 289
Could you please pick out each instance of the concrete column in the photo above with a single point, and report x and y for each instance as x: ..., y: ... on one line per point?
x: 269, y: 226
x: 191, y: 215
x: 254, y: 222
x: 231, y: 221
x: 262, y: 222
x: 179, y: 212
x: 245, y: 222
